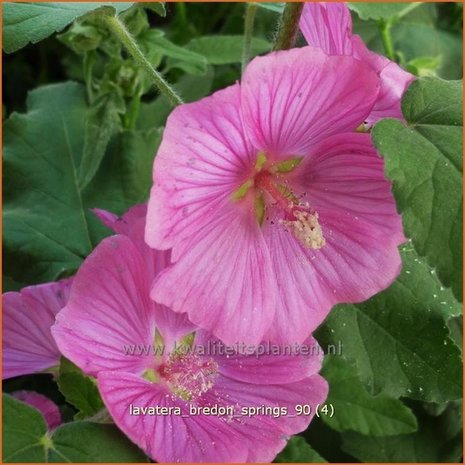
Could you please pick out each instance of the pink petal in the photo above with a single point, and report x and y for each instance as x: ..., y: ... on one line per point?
x: 394, y: 82
x: 358, y: 261
x: 167, y: 438
x: 129, y: 224
x: 109, y: 308
x: 262, y: 365
x: 345, y: 173
x: 43, y: 404
x: 224, y: 282
x: 327, y: 26
x: 295, y: 98
x: 28, y: 345
x: 204, y: 156
x: 266, y: 435
x: 171, y: 325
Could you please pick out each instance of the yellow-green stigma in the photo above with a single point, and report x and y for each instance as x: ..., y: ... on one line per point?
x: 151, y: 375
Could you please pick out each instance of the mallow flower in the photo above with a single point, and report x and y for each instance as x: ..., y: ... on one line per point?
x: 274, y: 207
x: 28, y: 345
x: 158, y: 398
x: 328, y: 25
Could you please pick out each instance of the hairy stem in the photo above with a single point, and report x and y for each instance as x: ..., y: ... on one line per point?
x: 122, y: 34
x: 289, y: 26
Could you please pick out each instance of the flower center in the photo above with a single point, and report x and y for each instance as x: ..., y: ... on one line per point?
x: 268, y: 181
x: 189, y: 376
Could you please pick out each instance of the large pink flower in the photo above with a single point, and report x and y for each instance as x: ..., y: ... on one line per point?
x: 328, y: 25
x: 110, y: 322
x: 28, y: 345
x: 275, y: 209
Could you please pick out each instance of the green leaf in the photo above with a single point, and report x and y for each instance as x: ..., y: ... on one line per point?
x: 437, y: 441
x: 32, y: 22
x: 25, y: 439
x: 424, y: 66
x: 382, y: 10
x: 23, y: 430
x: 356, y: 410
x: 138, y: 149
x: 79, y: 390
x: 222, y: 50
x: 81, y: 38
x: 153, y: 42
x: 48, y: 224
x: 299, y: 451
x: 103, y: 121
x: 399, y: 340
x: 45, y: 229
x: 157, y: 7
x: 83, y: 441
x: 424, y: 160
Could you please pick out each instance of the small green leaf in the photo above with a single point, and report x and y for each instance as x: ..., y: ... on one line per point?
x: 23, y: 429
x: 137, y: 150
x: 79, y: 390
x: 152, y: 42
x: 356, y: 410
x: 81, y: 38
x: 82, y: 441
x: 102, y: 122
x: 424, y: 160
x: 222, y: 50
x: 399, y: 340
x: 299, y: 451
x: 25, y: 439
x: 157, y: 7
x: 424, y: 66
x: 33, y: 22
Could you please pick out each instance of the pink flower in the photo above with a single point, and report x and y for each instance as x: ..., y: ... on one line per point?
x: 328, y: 25
x: 44, y: 405
x: 110, y: 310
x: 275, y: 209
x: 28, y: 345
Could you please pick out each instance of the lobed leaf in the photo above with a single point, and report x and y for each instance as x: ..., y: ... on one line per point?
x: 423, y: 158
x: 26, y: 439
x: 357, y: 410
x: 399, y: 339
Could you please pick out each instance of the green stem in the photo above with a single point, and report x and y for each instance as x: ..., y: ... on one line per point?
x: 88, y: 63
x: 122, y: 34
x: 385, y: 29
x: 289, y: 26
x: 250, y: 10
x: 131, y: 116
